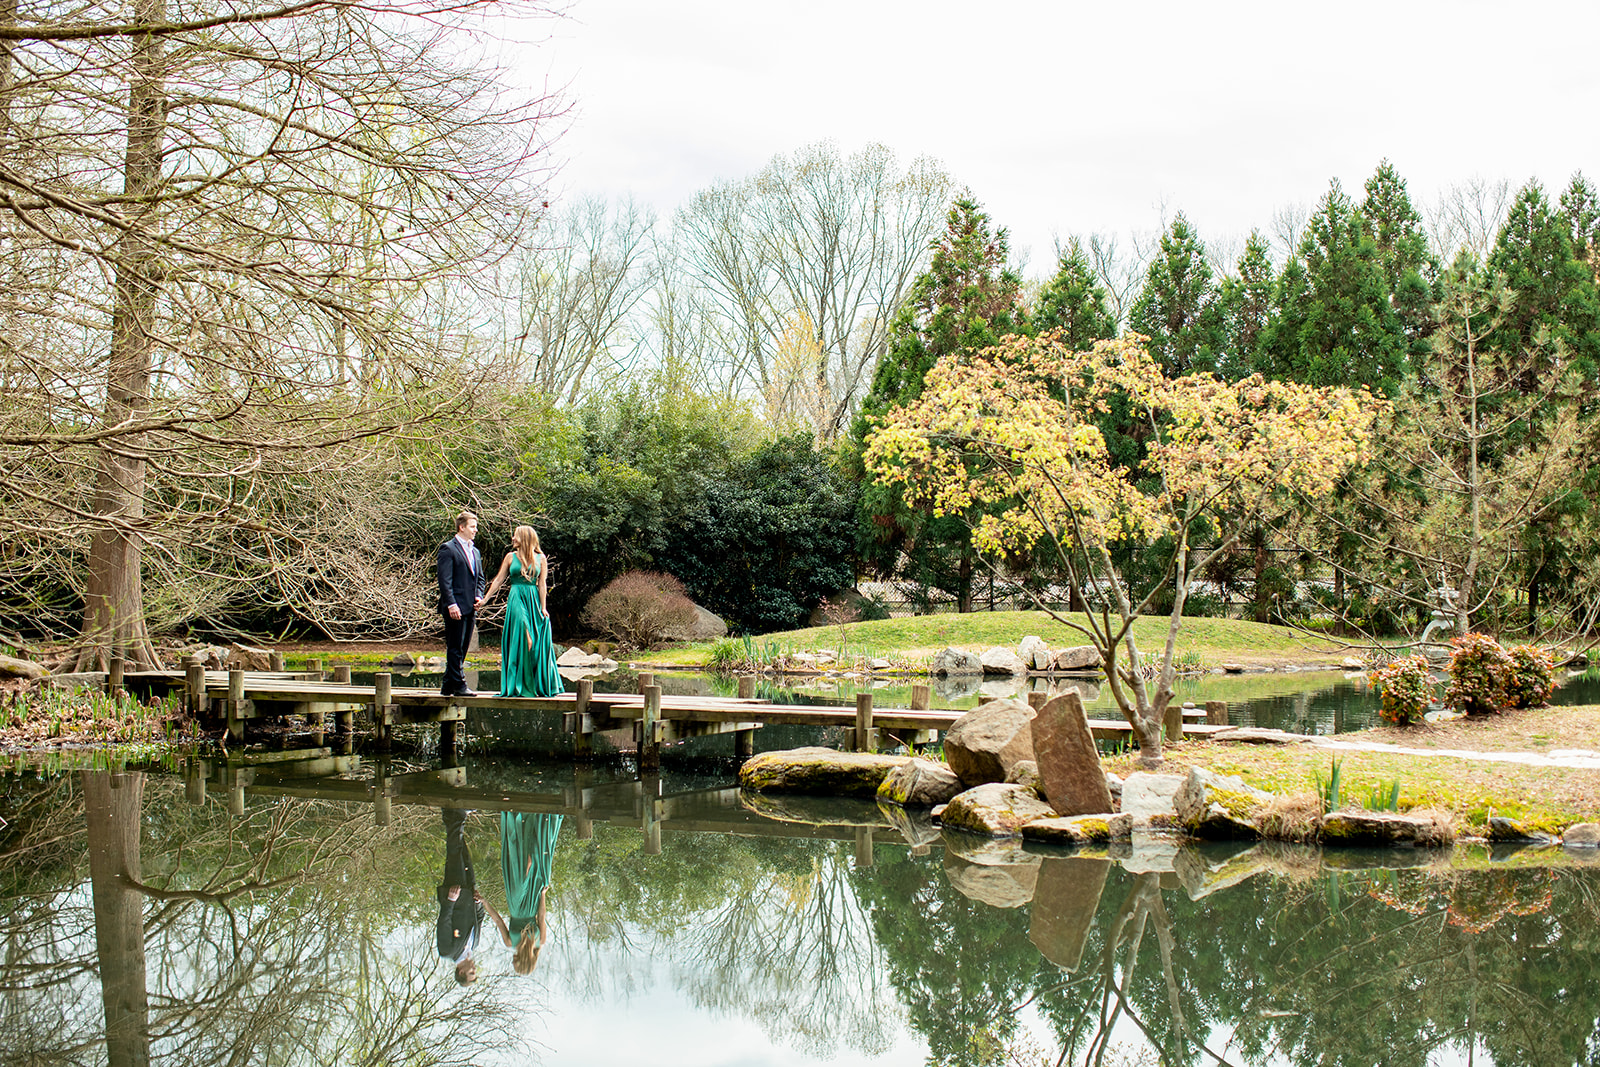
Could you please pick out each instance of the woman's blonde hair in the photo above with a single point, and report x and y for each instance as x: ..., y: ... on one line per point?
x: 526, y: 542
x: 525, y: 957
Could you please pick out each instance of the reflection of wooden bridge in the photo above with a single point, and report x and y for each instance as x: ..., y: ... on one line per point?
x: 641, y: 803
x: 655, y: 719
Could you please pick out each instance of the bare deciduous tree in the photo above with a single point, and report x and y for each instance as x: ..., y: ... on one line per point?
x: 820, y: 244
x: 245, y: 238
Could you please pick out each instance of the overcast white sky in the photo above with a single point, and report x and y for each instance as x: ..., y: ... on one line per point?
x: 1075, y: 117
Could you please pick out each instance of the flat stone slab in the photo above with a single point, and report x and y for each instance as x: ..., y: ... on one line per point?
x: 1260, y: 736
x: 1078, y: 829
x: 1383, y: 828
x: 1146, y: 795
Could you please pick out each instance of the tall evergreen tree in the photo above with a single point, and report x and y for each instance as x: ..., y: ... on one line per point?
x: 1581, y: 206
x: 1336, y: 323
x: 1409, y: 269
x: 1246, y: 301
x: 1074, y: 302
x: 1177, y: 308
x: 1554, y: 290
x: 966, y: 300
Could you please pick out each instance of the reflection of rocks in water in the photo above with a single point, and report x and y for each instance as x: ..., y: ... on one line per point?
x: 1010, y: 885
x: 1007, y: 687
x: 1150, y: 854
x: 914, y: 824
x: 1054, y: 687
x: 1205, y: 869
x: 1065, y: 900
x: 815, y: 811
x: 954, y: 687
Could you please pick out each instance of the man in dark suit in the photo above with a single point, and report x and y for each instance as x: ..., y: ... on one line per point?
x: 461, y: 908
x: 460, y: 593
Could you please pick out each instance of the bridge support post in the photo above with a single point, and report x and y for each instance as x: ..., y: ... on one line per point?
x: 114, y: 676
x: 275, y: 660
x: 382, y: 697
x: 863, y: 857
x: 235, y: 707
x: 744, y: 744
x: 1216, y: 713
x: 583, y: 727
x: 747, y: 686
x: 865, y: 740
x: 194, y: 681
x: 650, y: 734
x: 341, y: 673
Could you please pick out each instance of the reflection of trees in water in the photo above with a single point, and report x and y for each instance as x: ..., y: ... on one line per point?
x: 298, y: 934
x: 1364, y: 967
x: 962, y: 969
x: 768, y: 929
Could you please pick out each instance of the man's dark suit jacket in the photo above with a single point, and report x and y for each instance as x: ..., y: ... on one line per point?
x: 457, y: 584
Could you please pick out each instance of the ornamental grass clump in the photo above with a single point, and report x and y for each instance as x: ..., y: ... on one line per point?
x: 1530, y: 678
x: 1405, y: 689
x: 1478, y: 669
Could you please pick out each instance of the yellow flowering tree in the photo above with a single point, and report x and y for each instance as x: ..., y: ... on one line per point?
x: 1010, y: 434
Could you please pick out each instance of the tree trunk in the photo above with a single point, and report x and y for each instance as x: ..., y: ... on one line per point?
x: 113, y: 610
x: 112, y: 807
x: 1262, y: 612
x: 964, y: 583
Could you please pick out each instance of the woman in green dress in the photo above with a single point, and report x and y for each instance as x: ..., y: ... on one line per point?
x: 527, y: 659
x: 527, y: 850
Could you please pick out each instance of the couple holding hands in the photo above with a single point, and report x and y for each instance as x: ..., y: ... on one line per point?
x: 527, y: 657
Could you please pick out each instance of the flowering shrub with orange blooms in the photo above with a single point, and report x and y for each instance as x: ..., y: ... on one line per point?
x: 1530, y: 677
x: 1007, y: 440
x: 1405, y: 689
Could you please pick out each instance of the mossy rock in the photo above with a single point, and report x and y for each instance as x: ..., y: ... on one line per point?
x: 818, y: 771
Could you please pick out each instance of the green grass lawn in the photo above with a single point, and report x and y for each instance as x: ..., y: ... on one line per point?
x: 916, y: 638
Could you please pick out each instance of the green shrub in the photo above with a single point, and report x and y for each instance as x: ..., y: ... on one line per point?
x: 1530, y: 678
x: 1478, y: 669
x: 1405, y: 689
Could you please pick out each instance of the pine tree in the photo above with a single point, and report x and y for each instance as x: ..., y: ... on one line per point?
x: 966, y: 300
x: 1554, y: 290
x: 1177, y: 308
x: 1074, y: 302
x: 1337, y: 324
x: 1409, y: 269
x: 1246, y: 302
x: 1581, y: 206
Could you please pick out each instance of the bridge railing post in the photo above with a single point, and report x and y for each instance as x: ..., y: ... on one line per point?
x: 650, y: 735
x: 235, y: 709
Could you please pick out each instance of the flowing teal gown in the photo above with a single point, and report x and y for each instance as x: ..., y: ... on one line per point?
x: 527, y: 848
x: 527, y: 660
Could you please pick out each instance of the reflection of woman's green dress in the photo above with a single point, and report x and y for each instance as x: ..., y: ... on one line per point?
x: 527, y: 660
x: 527, y: 847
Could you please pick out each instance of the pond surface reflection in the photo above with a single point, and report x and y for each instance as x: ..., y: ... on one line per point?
x: 144, y: 921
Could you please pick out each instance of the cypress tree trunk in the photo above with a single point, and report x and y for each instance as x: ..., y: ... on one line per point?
x: 112, y: 807
x: 113, y: 612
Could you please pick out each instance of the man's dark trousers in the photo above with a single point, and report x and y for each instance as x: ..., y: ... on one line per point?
x: 460, y: 583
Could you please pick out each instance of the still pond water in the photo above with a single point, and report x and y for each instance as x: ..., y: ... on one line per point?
x: 165, y: 916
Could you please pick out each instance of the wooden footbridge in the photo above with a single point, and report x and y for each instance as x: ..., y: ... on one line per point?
x: 643, y: 803
x: 235, y: 696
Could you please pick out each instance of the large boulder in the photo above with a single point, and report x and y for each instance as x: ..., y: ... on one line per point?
x: 954, y: 661
x: 245, y: 658
x: 987, y: 741
x: 1069, y: 761
x: 995, y: 809
x: 1218, y: 806
x: 1148, y: 796
x: 1029, y: 647
x: 818, y: 771
x: 703, y: 627
x: 1078, y: 658
x: 919, y: 783
x: 11, y: 667
x: 1002, y: 661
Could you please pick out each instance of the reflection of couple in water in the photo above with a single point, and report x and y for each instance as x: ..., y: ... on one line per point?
x: 527, y: 847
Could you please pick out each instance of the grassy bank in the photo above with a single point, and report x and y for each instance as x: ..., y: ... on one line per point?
x: 1540, y: 796
x: 919, y: 638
